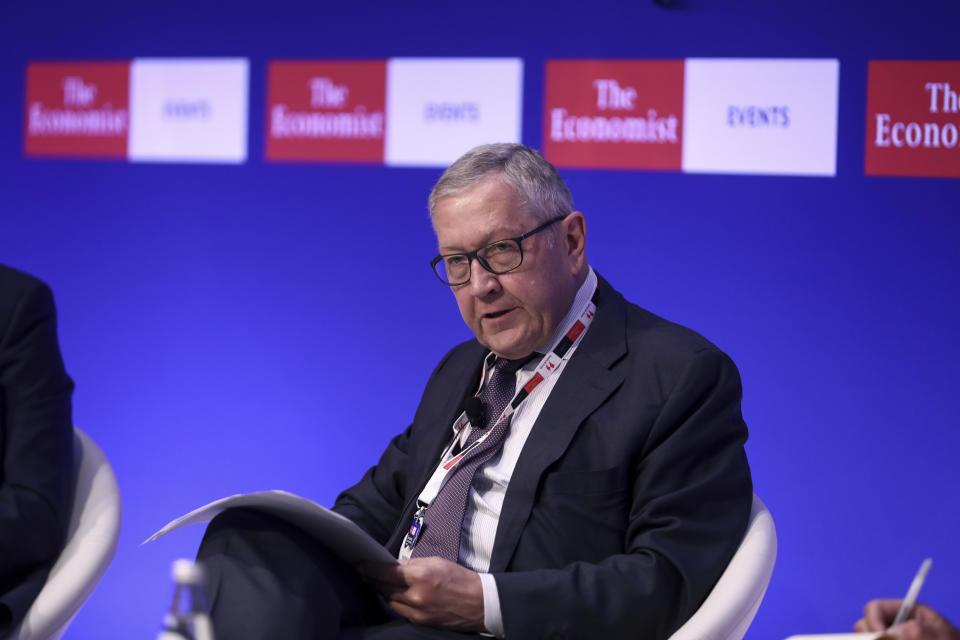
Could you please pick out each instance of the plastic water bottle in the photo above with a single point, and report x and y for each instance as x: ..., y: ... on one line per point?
x: 188, y: 618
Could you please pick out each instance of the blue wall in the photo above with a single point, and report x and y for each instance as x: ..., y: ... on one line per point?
x: 219, y: 320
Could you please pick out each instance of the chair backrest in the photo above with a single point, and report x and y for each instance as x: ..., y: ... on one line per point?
x: 731, y: 605
x: 91, y: 542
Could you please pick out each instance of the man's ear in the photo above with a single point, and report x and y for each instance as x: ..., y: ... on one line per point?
x: 574, y: 228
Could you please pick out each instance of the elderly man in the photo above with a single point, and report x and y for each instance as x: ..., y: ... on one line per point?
x: 575, y: 471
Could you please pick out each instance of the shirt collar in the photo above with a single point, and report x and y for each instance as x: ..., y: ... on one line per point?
x: 584, y: 293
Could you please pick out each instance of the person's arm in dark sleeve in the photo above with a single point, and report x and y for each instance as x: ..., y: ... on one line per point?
x: 36, y: 435
x: 376, y: 502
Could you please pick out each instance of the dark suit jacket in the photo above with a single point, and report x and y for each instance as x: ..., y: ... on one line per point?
x: 36, y: 442
x: 629, y: 497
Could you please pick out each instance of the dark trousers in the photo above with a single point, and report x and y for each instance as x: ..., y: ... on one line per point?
x: 266, y: 579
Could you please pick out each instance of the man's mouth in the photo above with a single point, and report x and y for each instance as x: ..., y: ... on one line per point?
x: 497, y: 314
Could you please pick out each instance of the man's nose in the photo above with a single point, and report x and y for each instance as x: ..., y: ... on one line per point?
x: 482, y: 282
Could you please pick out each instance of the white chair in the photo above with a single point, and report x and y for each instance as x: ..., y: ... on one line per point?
x: 731, y: 605
x: 91, y: 542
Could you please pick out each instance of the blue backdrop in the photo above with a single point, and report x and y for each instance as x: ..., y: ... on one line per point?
x: 219, y: 320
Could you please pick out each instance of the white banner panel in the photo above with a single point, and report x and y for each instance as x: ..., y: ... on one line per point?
x: 439, y: 108
x: 188, y: 110
x: 774, y: 116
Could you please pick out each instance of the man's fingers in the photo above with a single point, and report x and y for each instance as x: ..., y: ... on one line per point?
x: 412, y: 614
x: 879, y: 614
x: 909, y: 630
x: 438, y: 593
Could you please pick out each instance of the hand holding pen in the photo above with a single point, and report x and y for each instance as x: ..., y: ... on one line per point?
x: 923, y: 624
x: 906, y: 618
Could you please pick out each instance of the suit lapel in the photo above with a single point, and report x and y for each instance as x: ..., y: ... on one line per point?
x: 586, y: 382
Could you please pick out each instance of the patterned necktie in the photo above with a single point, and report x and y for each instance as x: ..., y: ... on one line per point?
x: 443, y: 522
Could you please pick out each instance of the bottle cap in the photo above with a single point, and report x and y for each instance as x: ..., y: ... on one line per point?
x: 187, y: 572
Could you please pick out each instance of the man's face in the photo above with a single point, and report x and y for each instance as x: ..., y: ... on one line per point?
x: 513, y: 313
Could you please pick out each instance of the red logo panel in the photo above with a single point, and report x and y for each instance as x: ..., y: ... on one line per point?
x: 77, y: 109
x: 326, y: 111
x: 614, y: 114
x: 913, y: 119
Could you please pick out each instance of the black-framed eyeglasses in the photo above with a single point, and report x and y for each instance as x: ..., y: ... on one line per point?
x: 498, y: 257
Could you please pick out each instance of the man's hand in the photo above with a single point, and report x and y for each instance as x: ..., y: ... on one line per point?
x: 430, y: 591
x: 923, y: 624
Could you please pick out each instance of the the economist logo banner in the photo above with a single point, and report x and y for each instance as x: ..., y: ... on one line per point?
x: 77, y: 109
x: 329, y: 111
x: 614, y: 113
x: 913, y: 118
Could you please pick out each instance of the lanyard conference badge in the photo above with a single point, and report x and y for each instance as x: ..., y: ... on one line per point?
x: 547, y: 366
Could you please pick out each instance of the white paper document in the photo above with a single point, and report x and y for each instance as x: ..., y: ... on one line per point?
x: 339, y: 534
x: 840, y: 636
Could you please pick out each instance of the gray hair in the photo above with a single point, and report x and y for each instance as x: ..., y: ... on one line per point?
x: 542, y: 191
